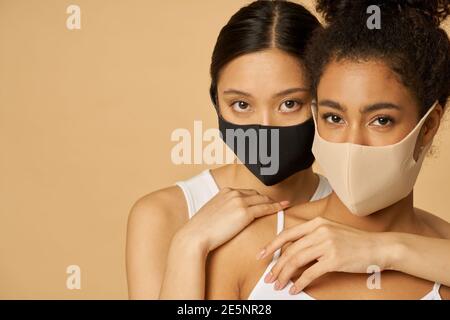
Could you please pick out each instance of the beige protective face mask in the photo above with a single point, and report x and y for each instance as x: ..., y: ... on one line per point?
x: 368, y: 178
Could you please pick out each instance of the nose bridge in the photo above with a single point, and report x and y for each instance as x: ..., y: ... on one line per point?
x: 355, y: 134
x: 266, y: 118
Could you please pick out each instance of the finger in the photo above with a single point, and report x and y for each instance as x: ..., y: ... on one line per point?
x: 294, y: 263
x: 225, y: 189
x: 290, y: 235
x: 295, y: 248
x: 239, y: 194
x: 230, y: 193
x: 265, y: 209
x: 309, y: 275
x: 248, y: 192
x: 234, y: 195
x: 257, y: 199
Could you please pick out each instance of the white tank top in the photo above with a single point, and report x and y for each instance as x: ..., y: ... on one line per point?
x: 199, y: 189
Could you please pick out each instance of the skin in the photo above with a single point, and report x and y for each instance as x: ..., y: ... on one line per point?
x: 266, y: 87
x: 166, y: 257
x: 321, y: 237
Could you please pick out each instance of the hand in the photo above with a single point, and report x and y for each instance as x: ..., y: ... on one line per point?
x: 227, y: 214
x: 332, y: 247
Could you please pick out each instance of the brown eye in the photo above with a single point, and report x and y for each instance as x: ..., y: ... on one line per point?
x: 333, y: 118
x: 240, y: 106
x: 382, y: 121
x: 289, y: 106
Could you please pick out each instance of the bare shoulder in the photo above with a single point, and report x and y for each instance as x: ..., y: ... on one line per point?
x: 165, y: 205
x: 441, y: 226
x: 152, y: 222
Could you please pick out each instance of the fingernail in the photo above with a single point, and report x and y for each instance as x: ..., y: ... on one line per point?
x: 284, y: 203
x: 293, y: 290
x: 269, y: 277
x: 261, y: 255
x: 277, y: 285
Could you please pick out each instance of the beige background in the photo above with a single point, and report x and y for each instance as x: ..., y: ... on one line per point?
x: 85, y: 123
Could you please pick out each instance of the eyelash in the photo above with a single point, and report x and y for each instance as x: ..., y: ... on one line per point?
x: 298, y: 102
x: 325, y: 116
x: 238, y: 101
x: 390, y: 120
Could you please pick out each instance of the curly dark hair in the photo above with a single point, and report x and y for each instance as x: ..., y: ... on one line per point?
x: 409, y: 41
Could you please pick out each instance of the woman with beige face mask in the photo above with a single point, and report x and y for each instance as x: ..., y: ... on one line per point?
x: 219, y: 219
x: 370, y: 142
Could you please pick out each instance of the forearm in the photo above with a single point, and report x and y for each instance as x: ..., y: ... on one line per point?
x: 184, y: 277
x: 422, y: 257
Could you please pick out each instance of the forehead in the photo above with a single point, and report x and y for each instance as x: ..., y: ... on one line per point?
x: 362, y: 82
x: 268, y: 70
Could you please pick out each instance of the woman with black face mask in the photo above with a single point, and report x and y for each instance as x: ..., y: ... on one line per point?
x: 261, y: 94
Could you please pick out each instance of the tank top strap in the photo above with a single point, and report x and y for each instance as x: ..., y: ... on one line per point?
x: 280, y: 226
x: 436, y: 288
x: 198, y: 190
x: 280, y: 221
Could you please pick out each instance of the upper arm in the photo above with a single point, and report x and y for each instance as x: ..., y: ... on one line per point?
x: 152, y: 222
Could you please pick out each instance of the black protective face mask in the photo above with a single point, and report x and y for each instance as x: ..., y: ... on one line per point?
x: 271, y: 153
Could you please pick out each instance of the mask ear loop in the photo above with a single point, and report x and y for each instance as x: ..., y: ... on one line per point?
x: 314, y: 113
x: 426, y: 147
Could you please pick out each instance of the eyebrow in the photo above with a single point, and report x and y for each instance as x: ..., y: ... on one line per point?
x: 234, y: 91
x: 289, y: 91
x: 281, y: 93
x: 332, y: 104
x: 379, y: 106
x: 367, y: 109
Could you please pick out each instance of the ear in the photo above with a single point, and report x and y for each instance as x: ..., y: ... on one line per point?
x: 429, y: 129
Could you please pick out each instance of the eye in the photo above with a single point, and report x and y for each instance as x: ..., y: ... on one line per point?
x: 382, y: 121
x: 290, y: 106
x: 240, y: 106
x: 332, y: 118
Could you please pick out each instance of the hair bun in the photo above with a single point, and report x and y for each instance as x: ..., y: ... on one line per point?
x: 434, y: 11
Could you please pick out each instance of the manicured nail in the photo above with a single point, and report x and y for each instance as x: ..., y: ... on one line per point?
x: 261, y: 255
x: 284, y: 203
x: 269, y: 277
x: 293, y: 290
x: 277, y: 285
